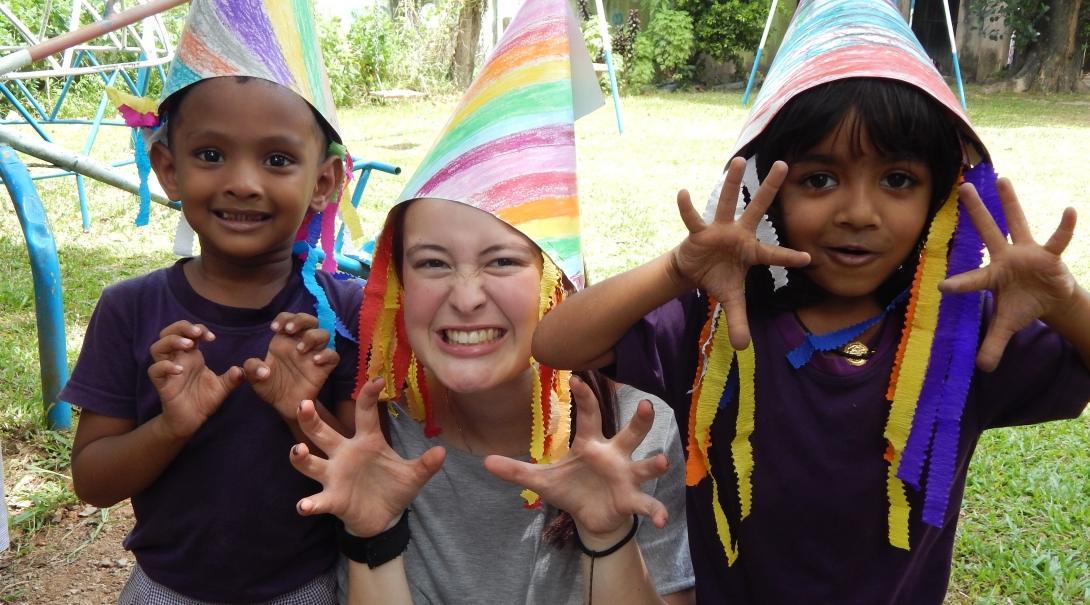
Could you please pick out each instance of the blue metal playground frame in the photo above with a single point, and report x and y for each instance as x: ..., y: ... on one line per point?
x: 48, y: 290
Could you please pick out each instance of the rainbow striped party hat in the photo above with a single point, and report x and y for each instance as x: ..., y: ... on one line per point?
x: 828, y: 41
x: 831, y: 40
x: 509, y: 150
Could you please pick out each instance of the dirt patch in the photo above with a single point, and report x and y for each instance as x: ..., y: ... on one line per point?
x: 77, y: 560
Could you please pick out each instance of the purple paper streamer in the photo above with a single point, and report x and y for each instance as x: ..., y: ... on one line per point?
x: 328, y: 227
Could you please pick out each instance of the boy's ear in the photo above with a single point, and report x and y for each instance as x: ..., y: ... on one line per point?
x: 162, y: 162
x: 328, y: 183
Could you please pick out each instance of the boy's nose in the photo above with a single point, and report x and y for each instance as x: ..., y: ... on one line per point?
x: 467, y: 294
x: 244, y: 181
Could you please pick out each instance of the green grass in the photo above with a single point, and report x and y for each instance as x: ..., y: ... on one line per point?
x: 1025, y: 529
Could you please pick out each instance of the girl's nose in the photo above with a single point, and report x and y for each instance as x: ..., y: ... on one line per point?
x: 467, y: 294
x: 858, y: 209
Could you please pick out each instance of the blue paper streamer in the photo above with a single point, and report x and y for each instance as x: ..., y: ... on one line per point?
x: 143, y: 170
x: 327, y: 319
x: 800, y: 355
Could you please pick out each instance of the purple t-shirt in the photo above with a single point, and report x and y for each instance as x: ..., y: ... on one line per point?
x: 220, y: 523
x: 817, y: 530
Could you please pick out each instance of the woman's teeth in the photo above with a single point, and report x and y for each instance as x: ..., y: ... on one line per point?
x: 472, y: 337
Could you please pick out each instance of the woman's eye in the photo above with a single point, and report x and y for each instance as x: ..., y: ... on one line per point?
x: 506, y: 262
x: 819, y: 181
x: 430, y: 263
x: 278, y: 160
x: 898, y: 180
x: 209, y: 155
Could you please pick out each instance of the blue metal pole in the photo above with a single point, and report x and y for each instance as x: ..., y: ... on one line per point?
x: 954, y: 50
x: 24, y: 112
x: 613, y: 89
x: 30, y: 97
x: 48, y: 294
x: 752, y: 76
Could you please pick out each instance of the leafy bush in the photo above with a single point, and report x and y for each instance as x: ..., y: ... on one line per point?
x: 724, y: 29
x: 671, y: 41
x: 357, y: 57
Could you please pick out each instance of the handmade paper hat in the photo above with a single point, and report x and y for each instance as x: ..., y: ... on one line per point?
x: 831, y: 40
x: 509, y: 150
x: 277, y: 41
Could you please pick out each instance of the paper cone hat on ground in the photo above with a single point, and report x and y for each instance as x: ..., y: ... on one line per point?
x: 275, y: 40
x: 831, y: 40
x: 509, y: 150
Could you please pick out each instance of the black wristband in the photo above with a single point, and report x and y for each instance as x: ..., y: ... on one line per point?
x: 596, y: 554
x: 379, y: 548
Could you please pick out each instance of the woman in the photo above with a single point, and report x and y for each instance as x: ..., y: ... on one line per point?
x: 486, y: 243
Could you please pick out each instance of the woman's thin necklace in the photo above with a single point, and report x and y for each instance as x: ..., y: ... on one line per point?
x: 457, y: 422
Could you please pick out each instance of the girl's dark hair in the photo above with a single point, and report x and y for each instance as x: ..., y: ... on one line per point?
x: 171, y: 107
x: 897, y: 119
x: 559, y: 532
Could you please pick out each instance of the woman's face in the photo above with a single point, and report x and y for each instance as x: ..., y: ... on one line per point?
x: 472, y: 287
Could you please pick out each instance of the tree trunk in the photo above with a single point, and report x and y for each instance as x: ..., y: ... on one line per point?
x: 465, y: 44
x: 1052, y: 62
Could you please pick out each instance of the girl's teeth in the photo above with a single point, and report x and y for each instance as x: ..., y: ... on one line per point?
x: 472, y: 337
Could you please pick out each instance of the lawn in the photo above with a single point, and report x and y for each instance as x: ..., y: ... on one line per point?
x: 1025, y: 528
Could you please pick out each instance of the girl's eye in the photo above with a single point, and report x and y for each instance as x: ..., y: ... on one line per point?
x: 819, y: 180
x: 209, y: 155
x: 278, y: 160
x: 898, y: 180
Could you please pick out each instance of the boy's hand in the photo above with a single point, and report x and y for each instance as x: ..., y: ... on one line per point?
x: 296, y: 366
x: 188, y: 390
x: 1029, y: 281
x: 596, y: 481
x: 717, y: 256
x: 364, y: 481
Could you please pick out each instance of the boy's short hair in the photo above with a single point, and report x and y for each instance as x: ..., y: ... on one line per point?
x: 897, y: 118
x: 171, y: 106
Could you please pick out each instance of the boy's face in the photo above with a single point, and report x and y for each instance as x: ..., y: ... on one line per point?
x: 247, y: 160
x: 857, y: 212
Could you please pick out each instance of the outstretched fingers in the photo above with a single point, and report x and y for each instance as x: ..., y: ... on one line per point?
x: 1063, y: 234
x: 633, y: 433
x: 367, y: 406
x: 764, y: 196
x: 324, y: 436
x: 728, y: 195
x: 586, y: 405
x: 982, y: 219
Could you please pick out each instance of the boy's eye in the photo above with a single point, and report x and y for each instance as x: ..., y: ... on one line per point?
x: 819, y: 181
x: 279, y: 160
x: 898, y: 180
x: 209, y: 155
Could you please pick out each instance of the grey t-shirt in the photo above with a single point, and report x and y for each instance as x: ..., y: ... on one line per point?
x: 473, y: 542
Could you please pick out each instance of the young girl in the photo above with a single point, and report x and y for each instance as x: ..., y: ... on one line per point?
x: 484, y: 242
x: 833, y: 406
x: 190, y: 377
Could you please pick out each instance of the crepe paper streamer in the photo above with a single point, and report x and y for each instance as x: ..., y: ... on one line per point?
x: 329, y: 226
x: 136, y: 106
x: 932, y: 392
x: 327, y: 319
x: 343, y: 330
x: 800, y: 355
x: 143, y: 170
x: 911, y: 372
x: 720, y: 362
x: 414, y: 394
x: 537, y: 432
x: 696, y: 467
x: 722, y: 527
x: 183, y: 237
x: 741, y: 448
x: 910, y: 313
x: 369, y: 313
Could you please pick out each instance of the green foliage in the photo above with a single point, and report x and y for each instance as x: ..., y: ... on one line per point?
x: 357, y: 55
x: 671, y: 39
x: 1025, y: 18
x: 724, y: 29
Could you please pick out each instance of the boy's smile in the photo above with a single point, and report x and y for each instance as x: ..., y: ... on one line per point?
x: 857, y: 212
x: 247, y: 160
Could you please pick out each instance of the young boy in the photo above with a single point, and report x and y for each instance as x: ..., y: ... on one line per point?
x: 190, y: 376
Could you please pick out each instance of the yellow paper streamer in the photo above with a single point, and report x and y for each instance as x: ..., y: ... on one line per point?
x: 741, y: 448
x: 537, y: 431
x: 382, y: 351
x: 722, y: 527
x: 351, y: 219
x: 898, y: 506
x: 416, y: 397
x: 711, y: 391
x: 141, y: 104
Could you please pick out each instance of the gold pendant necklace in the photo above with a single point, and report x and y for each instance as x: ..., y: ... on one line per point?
x: 855, y: 353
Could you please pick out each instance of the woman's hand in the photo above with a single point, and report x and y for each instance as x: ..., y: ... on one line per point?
x: 597, y: 481
x: 364, y: 482
x: 1029, y: 281
x: 716, y: 256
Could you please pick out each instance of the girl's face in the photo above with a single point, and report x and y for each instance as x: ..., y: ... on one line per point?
x: 857, y: 212
x: 471, y: 294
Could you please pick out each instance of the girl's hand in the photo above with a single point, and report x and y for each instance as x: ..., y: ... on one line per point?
x: 296, y: 365
x: 364, y: 482
x: 188, y: 390
x: 597, y: 481
x: 716, y: 256
x: 1029, y: 281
